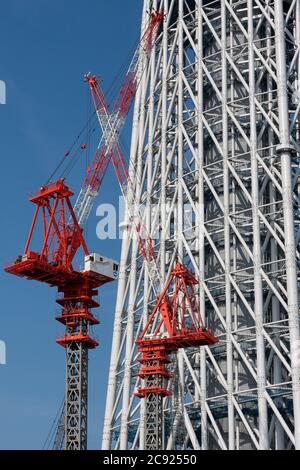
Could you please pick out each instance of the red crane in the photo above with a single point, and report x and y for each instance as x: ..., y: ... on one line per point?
x: 54, y: 218
x: 174, y: 323
x: 61, y: 228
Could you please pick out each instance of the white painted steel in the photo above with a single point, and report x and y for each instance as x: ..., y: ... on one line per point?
x: 216, y: 127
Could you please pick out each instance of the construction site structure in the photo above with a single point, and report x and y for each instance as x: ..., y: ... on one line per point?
x: 214, y: 164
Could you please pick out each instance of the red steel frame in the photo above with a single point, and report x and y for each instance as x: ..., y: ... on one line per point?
x: 174, y: 323
x: 53, y: 264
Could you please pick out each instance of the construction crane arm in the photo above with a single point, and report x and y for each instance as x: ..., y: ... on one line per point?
x: 135, y: 218
x: 113, y: 122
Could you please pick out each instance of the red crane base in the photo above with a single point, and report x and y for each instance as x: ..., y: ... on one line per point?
x: 186, y: 339
x: 155, y: 356
x: 154, y: 359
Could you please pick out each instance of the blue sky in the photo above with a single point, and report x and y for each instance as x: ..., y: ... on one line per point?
x: 45, y: 49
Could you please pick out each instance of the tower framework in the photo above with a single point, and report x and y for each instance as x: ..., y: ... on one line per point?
x: 215, y: 163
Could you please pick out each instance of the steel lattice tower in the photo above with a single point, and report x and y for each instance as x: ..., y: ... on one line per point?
x: 215, y: 161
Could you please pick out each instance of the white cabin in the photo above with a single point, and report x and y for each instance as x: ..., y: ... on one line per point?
x: 101, y: 266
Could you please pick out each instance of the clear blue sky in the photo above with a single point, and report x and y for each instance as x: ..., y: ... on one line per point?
x: 45, y: 48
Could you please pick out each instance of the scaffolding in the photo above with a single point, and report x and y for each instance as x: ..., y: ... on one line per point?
x: 214, y: 164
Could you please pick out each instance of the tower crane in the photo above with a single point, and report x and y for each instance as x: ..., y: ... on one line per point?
x: 111, y: 123
x: 62, y: 229
x: 175, y: 322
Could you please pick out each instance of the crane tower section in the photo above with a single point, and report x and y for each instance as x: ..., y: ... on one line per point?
x: 215, y: 164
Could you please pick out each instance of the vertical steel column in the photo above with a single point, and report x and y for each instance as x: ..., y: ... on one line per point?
x: 116, y: 341
x: 285, y: 151
x: 127, y: 388
x: 257, y: 262
x: 135, y: 178
x: 118, y: 330
x: 228, y: 293
x: 200, y: 219
x: 279, y: 432
x: 180, y: 203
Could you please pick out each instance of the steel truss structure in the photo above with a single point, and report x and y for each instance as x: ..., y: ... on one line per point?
x: 215, y: 163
